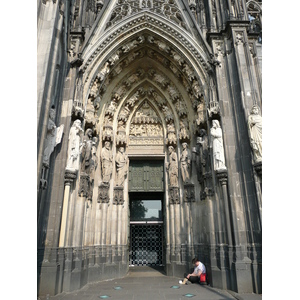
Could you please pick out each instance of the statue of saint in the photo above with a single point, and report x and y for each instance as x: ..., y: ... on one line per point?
x: 122, y: 165
x: 53, y: 136
x: 86, y: 151
x: 255, y: 133
x: 217, y: 145
x: 74, y: 146
x: 106, y: 162
x: 185, y: 163
x: 203, y: 140
x: 172, y: 167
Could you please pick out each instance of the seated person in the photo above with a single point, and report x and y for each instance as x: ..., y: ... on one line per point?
x: 196, y: 273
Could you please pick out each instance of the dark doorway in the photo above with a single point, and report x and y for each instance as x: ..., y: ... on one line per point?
x: 146, y: 229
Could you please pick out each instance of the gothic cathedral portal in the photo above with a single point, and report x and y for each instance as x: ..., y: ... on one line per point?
x: 149, y: 140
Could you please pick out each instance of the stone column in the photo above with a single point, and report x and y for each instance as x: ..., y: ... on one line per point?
x: 104, y: 222
x: 69, y: 178
x: 80, y: 210
x: 222, y: 176
x: 172, y: 229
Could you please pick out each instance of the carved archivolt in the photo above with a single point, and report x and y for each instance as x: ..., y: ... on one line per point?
x: 162, y: 89
x: 172, y: 61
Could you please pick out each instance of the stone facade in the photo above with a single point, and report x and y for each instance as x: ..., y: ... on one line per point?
x: 176, y: 81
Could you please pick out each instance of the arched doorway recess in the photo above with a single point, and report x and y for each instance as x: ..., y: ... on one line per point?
x: 146, y: 88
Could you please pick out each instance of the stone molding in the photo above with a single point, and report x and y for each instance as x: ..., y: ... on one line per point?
x: 222, y: 175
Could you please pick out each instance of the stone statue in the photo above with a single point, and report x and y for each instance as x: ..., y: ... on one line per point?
x: 172, y: 167
x: 200, y: 113
x: 103, y: 72
x: 53, y: 136
x: 184, y: 132
x: 203, y: 141
x: 185, y: 163
x: 106, y: 162
x: 122, y: 166
x: 86, y: 151
x: 217, y: 145
x: 255, y: 133
x: 94, y: 158
x: 74, y: 145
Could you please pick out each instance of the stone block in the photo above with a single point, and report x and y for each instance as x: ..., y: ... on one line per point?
x: 243, y: 276
x: 48, y: 279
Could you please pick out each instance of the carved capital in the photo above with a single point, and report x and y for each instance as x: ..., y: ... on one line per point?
x: 103, y: 193
x: 84, y: 185
x: 174, y: 195
x: 222, y: 176
x: 189, y: 193
x: 70, y: 176
x: 118, y: 196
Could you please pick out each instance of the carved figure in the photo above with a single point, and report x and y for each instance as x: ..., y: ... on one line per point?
x: 185, y: 163
x: 115, y: 57
x: 133, y: 99
x: 86, y: 151
x: 131, y: 45
x: 172, y: 167
x: 188, y: 71
x: 255, y: 132
x: 94, y: 89
x: 162, y: 46
x: 181, y: 108
x: 94, y: 158
x: 200, y: 113
x: 74, y: 146
x: 90, y: 112
x: 217, y: 145
x: 203, y: 140
x: 163, y: 81
x: 167, y: 112
x: 105, y: 70
x: 197, y: 89
x: 111, y: 108
x: 106, y: 162
x: 184, y: 132
x: 177, y: 57
x: 122, y: 166
x: 124, y: 114
x: 119, y: 92
x: 53, y: 136
x: 172, y: 92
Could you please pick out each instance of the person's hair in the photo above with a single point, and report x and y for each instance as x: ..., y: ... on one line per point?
x: 195, y: 259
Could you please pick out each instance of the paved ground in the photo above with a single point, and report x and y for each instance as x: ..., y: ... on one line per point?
x: 148, y: 284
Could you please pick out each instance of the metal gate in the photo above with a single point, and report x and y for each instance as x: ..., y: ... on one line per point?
x: 146, y: 244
